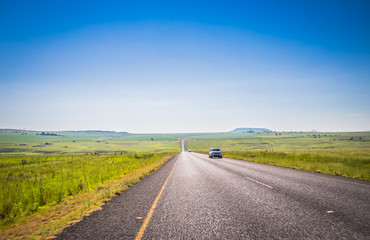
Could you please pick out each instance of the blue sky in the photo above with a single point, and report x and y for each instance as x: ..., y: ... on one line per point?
x: 195, y: 66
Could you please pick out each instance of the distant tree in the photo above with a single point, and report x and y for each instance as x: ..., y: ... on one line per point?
x: 152, y: 139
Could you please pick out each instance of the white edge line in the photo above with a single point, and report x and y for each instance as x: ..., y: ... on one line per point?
x: 259, y: 182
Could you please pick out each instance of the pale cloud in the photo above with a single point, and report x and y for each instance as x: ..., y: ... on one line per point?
x: 355, y: 115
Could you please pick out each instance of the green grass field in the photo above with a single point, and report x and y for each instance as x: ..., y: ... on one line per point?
x: 29, y: 183
x: 346, y: 154
x: 50, y: 179
x: 17, y: 142
x: 61, y: 176
x: 40, y: 195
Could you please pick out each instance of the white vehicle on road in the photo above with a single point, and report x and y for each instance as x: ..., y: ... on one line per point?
x: 215, y: 152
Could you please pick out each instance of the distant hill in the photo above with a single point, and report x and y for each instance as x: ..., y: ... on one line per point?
x: 251, y: 130
x: 94, y: 132
x: 81, y: 133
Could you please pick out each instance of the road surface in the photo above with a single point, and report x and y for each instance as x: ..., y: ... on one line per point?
x: 194, y: 197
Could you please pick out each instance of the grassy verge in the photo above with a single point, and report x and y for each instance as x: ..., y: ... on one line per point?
x: 345, y: 154
x: 41, y: 195
x: 335, y: 162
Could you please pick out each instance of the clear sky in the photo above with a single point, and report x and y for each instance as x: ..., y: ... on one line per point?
x: 185, y: 66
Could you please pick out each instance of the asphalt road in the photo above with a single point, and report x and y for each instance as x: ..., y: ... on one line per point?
x: 232, y: 199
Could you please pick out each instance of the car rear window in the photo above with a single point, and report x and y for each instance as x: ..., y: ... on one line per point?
x: 215, y: 149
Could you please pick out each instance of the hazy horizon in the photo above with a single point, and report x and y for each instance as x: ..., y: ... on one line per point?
x: 82, y: 130
x: 198, y: 66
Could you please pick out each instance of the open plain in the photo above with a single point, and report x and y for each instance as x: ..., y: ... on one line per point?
x: 53, y: 179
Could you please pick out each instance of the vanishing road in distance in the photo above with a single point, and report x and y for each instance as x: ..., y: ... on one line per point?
x: 195, y: 197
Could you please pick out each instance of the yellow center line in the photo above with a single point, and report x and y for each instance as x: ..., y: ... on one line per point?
x: 150, y: 213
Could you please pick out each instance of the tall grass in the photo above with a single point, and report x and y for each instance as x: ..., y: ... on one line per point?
x: 344, y: 163
x: 31, y: 183
x: 346, y: 154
